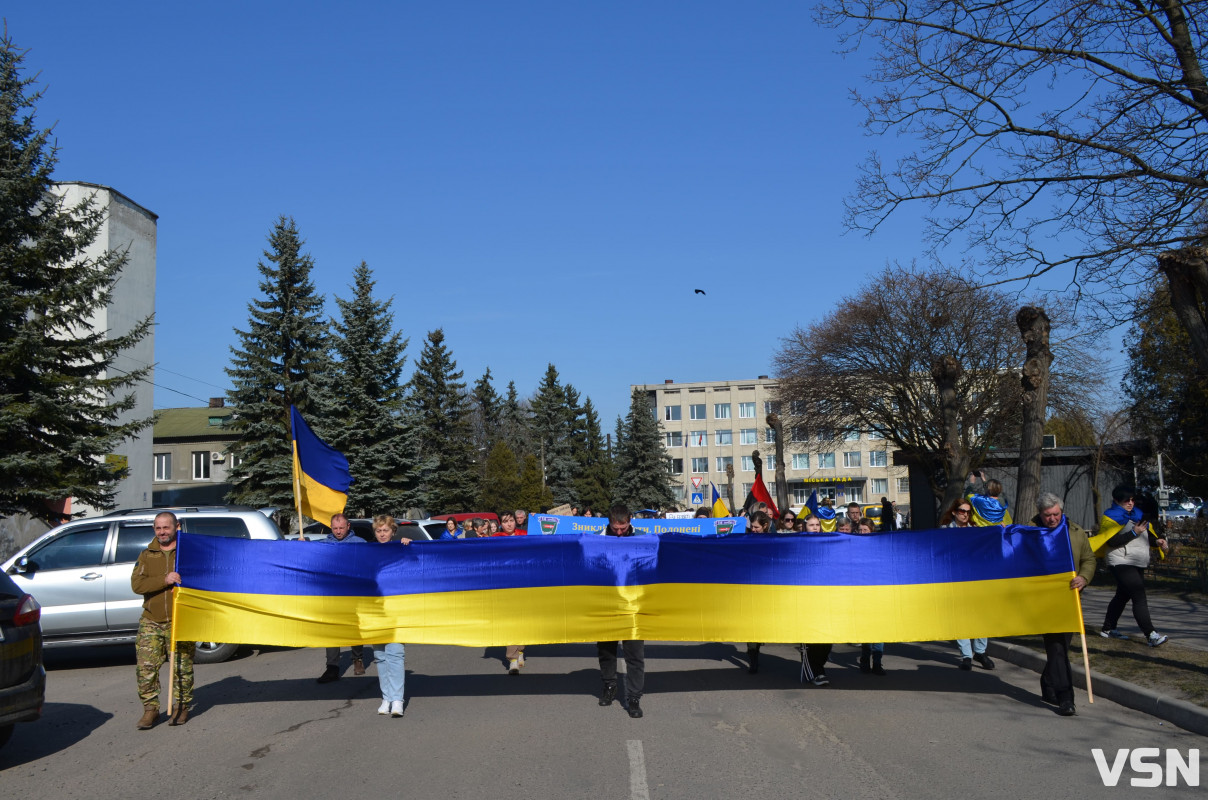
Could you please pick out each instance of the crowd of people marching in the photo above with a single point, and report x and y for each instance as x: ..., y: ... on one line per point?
x: 1126, y: 549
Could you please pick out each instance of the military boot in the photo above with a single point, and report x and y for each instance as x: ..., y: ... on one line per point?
x: 147, y: 720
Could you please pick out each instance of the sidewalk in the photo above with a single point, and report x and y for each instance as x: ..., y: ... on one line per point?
x: 1184, y: 621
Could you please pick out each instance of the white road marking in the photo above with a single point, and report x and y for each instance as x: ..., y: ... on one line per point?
x: 638, y: 790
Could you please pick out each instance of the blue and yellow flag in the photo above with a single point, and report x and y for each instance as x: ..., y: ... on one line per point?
x: 321, y: 476
x: 825, y: 514
x: 1112, y: 522
x: 988, y: 510
x: 909, y: 586
x: 719, y: 508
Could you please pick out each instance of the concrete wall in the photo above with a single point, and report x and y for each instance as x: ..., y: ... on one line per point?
x: 130, y: 228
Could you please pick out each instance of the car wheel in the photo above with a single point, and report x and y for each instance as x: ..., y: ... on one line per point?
x: 213, y: 652
x: 6, y: 731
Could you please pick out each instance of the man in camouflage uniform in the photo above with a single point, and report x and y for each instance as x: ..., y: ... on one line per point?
x: 155, y: 578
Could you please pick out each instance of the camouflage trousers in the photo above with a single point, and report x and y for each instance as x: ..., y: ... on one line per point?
x: 151, y: 652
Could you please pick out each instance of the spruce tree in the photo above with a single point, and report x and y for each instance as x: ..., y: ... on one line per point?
x: 282, y: 359
x: 551, y: 421
x: 60, y: 398
x: 643, y: 477
x: 534, y: 495
x: 368, y: 401
x: 440, y: 411
x: 501, y: 481
x: 594, y: 482
x: 514, y: 427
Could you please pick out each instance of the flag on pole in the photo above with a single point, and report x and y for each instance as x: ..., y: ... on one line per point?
x: 825, y: 514
x: 719, y: 507
x: 321, y: 476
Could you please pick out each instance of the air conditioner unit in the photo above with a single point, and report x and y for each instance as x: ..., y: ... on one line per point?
x: 1048, y: 442
x: 218, y: 458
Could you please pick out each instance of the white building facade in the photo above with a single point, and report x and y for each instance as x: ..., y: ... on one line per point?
x: 129, y: 228
x: 709, y: 425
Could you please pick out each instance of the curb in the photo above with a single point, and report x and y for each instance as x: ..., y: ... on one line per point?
x: 1186, y: 715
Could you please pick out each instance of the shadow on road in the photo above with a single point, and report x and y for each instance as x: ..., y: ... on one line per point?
x: 61, y: 726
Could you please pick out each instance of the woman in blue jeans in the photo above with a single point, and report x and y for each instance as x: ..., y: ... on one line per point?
x: 389, y: 657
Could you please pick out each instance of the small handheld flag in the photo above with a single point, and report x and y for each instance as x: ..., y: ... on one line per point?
x: 321, y: 476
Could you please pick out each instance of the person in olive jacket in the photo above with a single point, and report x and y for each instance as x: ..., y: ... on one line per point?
x: 155, y: 578
x: 1057, y: 680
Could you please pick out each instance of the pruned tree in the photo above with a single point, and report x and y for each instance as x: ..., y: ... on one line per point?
x: 926, y: 360
x: 62, y: 402
x: 1062, y: 137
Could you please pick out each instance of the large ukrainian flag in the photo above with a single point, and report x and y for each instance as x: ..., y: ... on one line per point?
x: 904, y: 586
x: 321, y: 476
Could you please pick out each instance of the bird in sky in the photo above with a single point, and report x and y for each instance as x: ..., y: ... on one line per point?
x: 700, y: 291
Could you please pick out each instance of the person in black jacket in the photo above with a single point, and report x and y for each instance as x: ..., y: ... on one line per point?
x: 635, y: 649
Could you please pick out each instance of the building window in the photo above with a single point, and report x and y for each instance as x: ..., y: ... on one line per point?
x: 873, y: 433
x: 700, y: 465
x: 721, y: 411
x: 723, y: 462
x: 853, y: 435
x: 800, y: 495
x: 826, y: 435
x: 851, y: 458
x: 903, y: 485
x: 748, y: 464
x: 672, y: 413
x: 770, y: 407
x: 746, y: 410
x: 236, y: 460
x: 201, y: 465
x: 746, y: 488
x: 855, y: 494
x: 879, y: 485
x: 696, y: 438
x: 748, y: 436
x: 723, y: 437
x: 826, y: 461
x: 677, y: 492
x: 826, y: 493
x: 878, y: 458
x: 801, y: 460
x: 677, y: 466
x: 674, y: 438
x: 769, y: 435
x: 163, y: 466
x: 696, y: 411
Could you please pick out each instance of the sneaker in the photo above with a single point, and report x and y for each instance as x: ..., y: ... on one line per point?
x: 821, y: 680
x: 396, y: 708
x: 966, y: 664
x: 358, y: 667
x: 635, y: 709
x: 609, y: 694
x: 1066, y: 709
x: 983, y: 659
x: 877, y: 669
x: 330, y: 674
x: 514, y: 667
x: 520, y: 658
x: 384, y: 708
x: 1156, y: 639
x: 1112, y: 634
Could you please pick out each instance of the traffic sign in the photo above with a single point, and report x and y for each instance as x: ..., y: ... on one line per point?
x: 696, y: 482
x: 698, y: 498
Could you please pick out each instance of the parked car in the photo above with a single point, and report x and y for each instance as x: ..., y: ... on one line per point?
x: 22, y: 676
x: 80, y: 572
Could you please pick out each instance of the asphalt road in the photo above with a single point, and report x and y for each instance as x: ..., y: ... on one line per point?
x: 265, y: 729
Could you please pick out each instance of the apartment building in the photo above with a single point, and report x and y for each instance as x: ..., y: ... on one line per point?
x: 709, y: 425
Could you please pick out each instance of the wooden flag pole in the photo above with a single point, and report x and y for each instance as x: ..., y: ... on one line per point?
x: 298, y: 492
x: 1086, y: 659
x: 172, y: 652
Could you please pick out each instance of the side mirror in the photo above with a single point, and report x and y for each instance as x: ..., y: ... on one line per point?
x: 24, y: 565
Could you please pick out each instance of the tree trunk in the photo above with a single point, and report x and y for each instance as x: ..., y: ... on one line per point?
x: 1186, y: 271
x: 945, y: 372
x: 730, y: 484
x: 1034, y: 326
x: 782, y: 483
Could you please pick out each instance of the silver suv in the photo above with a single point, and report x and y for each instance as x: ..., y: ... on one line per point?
x: 80, y: 572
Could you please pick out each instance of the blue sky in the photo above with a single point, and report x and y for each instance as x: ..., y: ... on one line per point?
x: 548, y: 182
